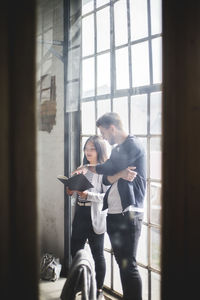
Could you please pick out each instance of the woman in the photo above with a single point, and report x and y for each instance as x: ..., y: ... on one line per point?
x: 89, y: 221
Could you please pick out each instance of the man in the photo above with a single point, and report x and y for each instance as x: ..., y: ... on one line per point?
x: 124, y: 199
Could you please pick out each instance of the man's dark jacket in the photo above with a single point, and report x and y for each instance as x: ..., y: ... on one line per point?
x: 129, y: 153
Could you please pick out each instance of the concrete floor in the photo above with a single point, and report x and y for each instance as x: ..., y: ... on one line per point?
x: 51, y: 290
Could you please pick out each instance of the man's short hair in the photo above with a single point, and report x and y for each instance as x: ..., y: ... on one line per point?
x: 108, y: 119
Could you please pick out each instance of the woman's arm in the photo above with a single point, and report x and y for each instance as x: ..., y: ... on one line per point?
x: 91, y: 196
x: 97, y: 193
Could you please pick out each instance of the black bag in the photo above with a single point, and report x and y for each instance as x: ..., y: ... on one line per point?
x: 50, y: 267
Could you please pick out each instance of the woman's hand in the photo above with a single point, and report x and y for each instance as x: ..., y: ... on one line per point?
x: 83, y: 194
x: 69, y: 192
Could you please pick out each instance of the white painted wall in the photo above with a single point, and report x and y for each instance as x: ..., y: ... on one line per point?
x: 50, y: 145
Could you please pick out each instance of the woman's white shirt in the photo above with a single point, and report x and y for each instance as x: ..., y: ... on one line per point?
x: 95, y: 196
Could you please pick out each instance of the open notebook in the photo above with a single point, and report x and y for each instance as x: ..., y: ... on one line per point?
x: 77, y: 182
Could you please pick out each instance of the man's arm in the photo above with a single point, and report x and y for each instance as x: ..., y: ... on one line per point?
x: 107, y: 168
x: 121, y: 158
x: 127, y: 174
x: 117, y: 162
x: 83, y: 169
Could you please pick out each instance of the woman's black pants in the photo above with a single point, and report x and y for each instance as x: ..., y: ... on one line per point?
x: 82, y: 231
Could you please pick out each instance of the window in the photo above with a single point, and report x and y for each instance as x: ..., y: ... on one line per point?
x: 121, y: 72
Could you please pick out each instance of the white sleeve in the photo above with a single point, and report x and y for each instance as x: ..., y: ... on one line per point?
x: 97, y: 197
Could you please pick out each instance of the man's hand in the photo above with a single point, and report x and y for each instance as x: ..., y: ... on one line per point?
x: 128, y: 173
x: 80, y: 170
x: 83, y: 169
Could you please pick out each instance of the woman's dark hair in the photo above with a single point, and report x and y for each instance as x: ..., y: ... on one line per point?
x: 100, y: 147
x: 109, y: 119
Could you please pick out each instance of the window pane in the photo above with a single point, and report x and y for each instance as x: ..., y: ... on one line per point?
x: 101, y: 2
x: 145, y: 113
x: 144, y: 143
x: 155, y: 286
x: 103, y: 74
x: 107, y: 280
x: 140, y: 64
x: 142, y: 255
x: 120, y: 106
x: 145, y: 208
x: 155, y: 158
x: 138, y: 14
x: 87, y: 6
x: 88, y: 124
x: 88, y: 35
x: 120, y: 21
x: 116, y: 278
x: 155, y: 248
x: 103, y: 106
x: 103, y: 29
x: 156, y: 16
x: 122, y: 70
x: 155, y: 199
x: 88, y: 77
x: 144, y: 276
x: 157, y: 60
x: 139, y: 114
x: 83, y: 141
x: 155, y: 113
